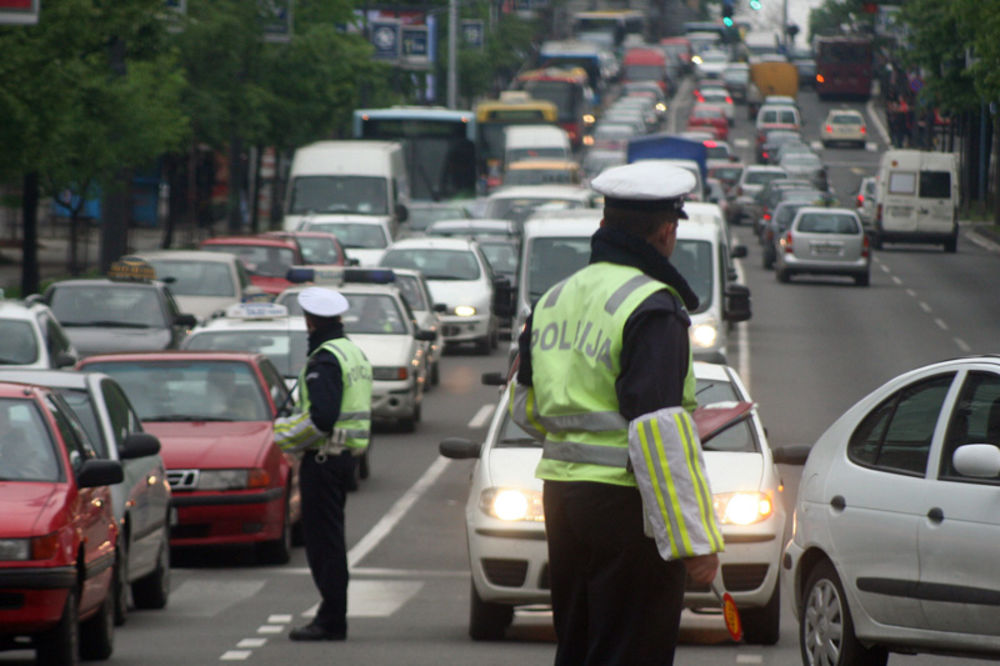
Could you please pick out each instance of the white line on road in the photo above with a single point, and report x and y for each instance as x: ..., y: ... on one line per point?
x: 279, y: 619
x: 482, y: 416
x: 252, y: 643
x: 270, y: 629
x: 925, y: 307
x: 982, y: 242
x: 749, y: 659
x: 236, y: 655
x: 896, y: 280
x: 963, y: 345
x: 940, y: 322
x: 369, y: 598
x: 383, y: 572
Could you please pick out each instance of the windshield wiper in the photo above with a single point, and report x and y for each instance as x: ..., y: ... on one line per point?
x: 105, y: 323
x: 188, y: 417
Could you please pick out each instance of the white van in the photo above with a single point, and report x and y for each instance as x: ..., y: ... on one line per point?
x: 698, y: 193
x: 916, y: 198
x: 358, y: 190
x: 527, y: 142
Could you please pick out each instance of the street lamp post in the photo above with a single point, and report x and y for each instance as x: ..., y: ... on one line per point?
x: 452, y: 54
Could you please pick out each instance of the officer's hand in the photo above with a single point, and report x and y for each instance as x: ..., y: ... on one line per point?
x: 702, y: 567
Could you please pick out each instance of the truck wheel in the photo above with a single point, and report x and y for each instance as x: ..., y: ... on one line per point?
x: 951, y: 245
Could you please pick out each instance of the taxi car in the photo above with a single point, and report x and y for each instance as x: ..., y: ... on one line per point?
x: 505, y: 521
x: 824, y: 241
x: 844, y: 126
x: 896, y: 525
x: 460, y: 276
x: 203, y: 283
x: 58, y: 533
x: 31, y: 336
x: 267, y: 259
x: 379, y: 321
x: 127, y: 311
x: 141, y: 503
x: 213, y: 413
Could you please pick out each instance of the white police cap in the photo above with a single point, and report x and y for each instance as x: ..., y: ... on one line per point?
x: 647, y: 185
x: 322, y: 302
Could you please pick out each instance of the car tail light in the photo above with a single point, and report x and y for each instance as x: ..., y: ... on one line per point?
x: 820, y: 79
x: 767, y: 216
x: 258, y: 478
x: 829, y: 129
x: 787, y: 243
x: 864, y: 130
x: 45, y: 547
x: 765, y: 155
x: 864, y: 246
x: 861, y: 200
x: 878, y: 213
x: 729, y: 100
x: 710, y: 144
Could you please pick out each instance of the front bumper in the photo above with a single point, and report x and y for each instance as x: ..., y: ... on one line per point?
x: 393, y: 400
x: 510, y: 563
x: 213, y: 518
x: 749, y: 568
x: 32, y: 598
x: 465, y: 329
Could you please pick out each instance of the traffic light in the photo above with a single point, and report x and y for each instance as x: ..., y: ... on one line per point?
x: 754, y: 4
x: 727, y: 13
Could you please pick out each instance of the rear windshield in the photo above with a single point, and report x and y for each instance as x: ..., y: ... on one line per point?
x: 826, y: 223
x: 935, y: 184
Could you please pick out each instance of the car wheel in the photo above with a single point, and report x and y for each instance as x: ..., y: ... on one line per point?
x: 60, y: 645
x: 120, y: 584
x: 97, y: 633
x: 826, y: 630
x: 826, y: 144
x: 768, y: 258
x: 151, y: 591
x: 761, y: 626
x: 783, y: 275
x: 877, y: 241
x: 278, y: 551
x: 951, y: 245
x: 862, y: 280
x: 435, y: 373
x: 487, y: 621
x: 483, y: 346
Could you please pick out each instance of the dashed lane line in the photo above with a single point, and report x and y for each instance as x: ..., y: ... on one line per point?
x: 482, y: 417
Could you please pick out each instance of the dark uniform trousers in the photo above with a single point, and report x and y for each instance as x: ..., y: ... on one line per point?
x: 324, y: 492
x: 614, y: 599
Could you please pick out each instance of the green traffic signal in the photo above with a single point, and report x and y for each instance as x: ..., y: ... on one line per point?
x: 754, y: 4
x: 728, y: 21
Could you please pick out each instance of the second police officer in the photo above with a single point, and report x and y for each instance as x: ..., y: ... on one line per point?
x: 606, y: 380
x: 332, y: 426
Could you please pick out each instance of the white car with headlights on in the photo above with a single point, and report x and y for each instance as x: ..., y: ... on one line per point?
x: 460, y: 277
x: 505, y: 522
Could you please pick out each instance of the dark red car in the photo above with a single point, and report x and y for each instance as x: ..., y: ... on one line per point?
x: 57, y: 532
x: 318, y: 248
x: 709, y: 117
x: 213, y: 412
x: 267, y: 260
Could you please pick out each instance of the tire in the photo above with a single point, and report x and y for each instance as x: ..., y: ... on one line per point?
x: 435, y: 373
x: 783, y: 275
x: 278, y: 551
x: 152, y: 590
x: 119, y: 584
x: 826, y: 630
x: 60, y: 645
x: 97, y: 634
x: 364, y: 467
x: 483, y: 346
x: 761, y: 626
x: 951, y: 245
x: 487, y: 621
x: 862, y: 280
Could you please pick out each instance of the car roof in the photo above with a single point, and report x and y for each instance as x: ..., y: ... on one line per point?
x: 542, y: 192
x: 188, y: 255
x: 19, y: 309
x: 432, y: 243
x: 823, y: 209
x: 520, y: 165
x: 286, y: 323
x: 174, y: 355
x: 16, y: 389
x: 250, y: 241
x: 71, y: 379
x: 565, y: 224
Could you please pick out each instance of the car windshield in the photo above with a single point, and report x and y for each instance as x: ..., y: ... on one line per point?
x: 261, y: 260
x: 108, y: 306
x: 435, y: 264
x: 18, y: 343
x: 27, y: 452
x: 422, y: 217
x: 501, y: 255
x: 513, y: 437
x: 374, y: 314
x: 286, y: 349
x: 693, y: 258
x: 195, y: 278
x: 763, y: 177
x: 519, y: 209
x: 190, y: 390
x: 81, y: 404
x: 846, y: 119
x: 551, y: 260
x: 827, y: 223
x: 362, y: 195
x: 409, y: 287
x: 318, y: 251
x: 539, y: 177
x: 518, y: 154
x: 708, y: 112
x: 352, y: 235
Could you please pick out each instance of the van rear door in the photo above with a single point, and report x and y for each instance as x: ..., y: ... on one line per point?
x: 935, y: 207
x: 899, y: 206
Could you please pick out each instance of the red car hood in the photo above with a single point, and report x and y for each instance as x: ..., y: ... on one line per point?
x: 29, y: 507
x: 201, y: 445
x: 270, y: 285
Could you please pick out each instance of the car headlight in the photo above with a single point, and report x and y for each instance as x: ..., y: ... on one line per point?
x: 705, y: 334
x: 464, y: 310
x: 393, y: 374
x: 232, y: 479
x: 742, y: 508
x: 15, y: 549
x: 512, y: 504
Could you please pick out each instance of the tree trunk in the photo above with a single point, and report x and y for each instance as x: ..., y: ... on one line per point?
x: 29, y: 217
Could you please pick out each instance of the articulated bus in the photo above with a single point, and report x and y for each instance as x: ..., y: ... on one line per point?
x: 439, y: 145
x: 568, y: 89
x: 610, y: 27
x: 844, y: 67
x: 515, y: 107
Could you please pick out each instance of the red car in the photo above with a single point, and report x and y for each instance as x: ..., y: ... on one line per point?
x: 709, y: 117
x: 213, y: 412
x: 57, y: 533
x: 318, y: 248
x: 266, y: 259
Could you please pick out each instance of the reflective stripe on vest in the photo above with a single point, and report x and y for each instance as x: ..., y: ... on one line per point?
x: 354, y: 422
x: 576, y: 340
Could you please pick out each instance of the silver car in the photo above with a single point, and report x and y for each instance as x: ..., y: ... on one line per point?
x: 827, y: 241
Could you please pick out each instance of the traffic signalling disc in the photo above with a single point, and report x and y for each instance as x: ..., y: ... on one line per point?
x: 730, y: 613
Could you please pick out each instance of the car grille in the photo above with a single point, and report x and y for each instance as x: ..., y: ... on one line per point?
x: 195, y: 531
x: 182, y: 479
x: 505, y: 573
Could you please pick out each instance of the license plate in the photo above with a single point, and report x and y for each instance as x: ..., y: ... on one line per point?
x: 826, y: 249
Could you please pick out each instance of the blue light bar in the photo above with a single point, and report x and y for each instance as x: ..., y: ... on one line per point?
x: 369, y: 275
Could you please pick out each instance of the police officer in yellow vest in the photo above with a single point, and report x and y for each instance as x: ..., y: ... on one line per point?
x: 605, y: 380
x: 331, y: 426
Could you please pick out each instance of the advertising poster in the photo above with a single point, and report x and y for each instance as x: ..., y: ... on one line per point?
x: 386, y: 38
x: 19, y: 12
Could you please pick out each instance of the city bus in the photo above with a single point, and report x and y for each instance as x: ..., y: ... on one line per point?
x: 568, y: 89
x: 608, y: 28
x: 515, y: 107
x: 844, y: 66
x: 439, y: 145
x: 596, y: 60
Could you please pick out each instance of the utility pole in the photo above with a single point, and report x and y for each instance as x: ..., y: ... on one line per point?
x: 452, y: 54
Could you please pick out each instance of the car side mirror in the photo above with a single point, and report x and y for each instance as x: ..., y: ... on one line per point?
x: 790, y: 455
x: 493, y: 379
x: 139, y: 445
x: 97, y: 472
x: 425, y: 335
x: 739, y: 251
x: 65, y: 359
x: 737, y: 303
x: 440, y: 307
x: 459, y: 448
x: 186, y: 320
x: 402, y: 214
x: 981, y: 461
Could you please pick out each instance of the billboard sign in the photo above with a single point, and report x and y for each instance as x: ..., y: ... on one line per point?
x: 386, y: 38
x: 473, y: 33
x: 19, y: 12
x: 276, y: 19
x: 416, y: 44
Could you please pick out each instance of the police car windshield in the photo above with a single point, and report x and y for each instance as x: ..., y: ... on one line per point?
x: 190, y: 390
x: 375, y: 314
x: 286, y: 349
x: 551, y: 260
x: 356, y: 236
x: 18, y: 344
x: 26, y: 448
x: 435, y: 264
x: 108, y: 306
x: 195, y: 278
x: 363, y: 195
x: 409, y: 286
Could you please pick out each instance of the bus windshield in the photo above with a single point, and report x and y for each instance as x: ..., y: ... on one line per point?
x: 564, y: 94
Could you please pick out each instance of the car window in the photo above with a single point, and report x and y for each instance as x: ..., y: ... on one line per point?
x: 106, y: 305
x: 553, y: 259
x: 195, y: 278
x: 353, y: 235
x: 376, y: 314
x: 409, y: 287
x: 826, y: 223
x: 846, y: 119
x: 902, y: 182
x: 896, y: 435
x: 693, y: 258
x: 86, y: 411
x: 78, y: 444
x: 435, y: 264
x: 287, y: 349
x: 935, y: 184
x: 55, y: 338
x: 318, y: 250
x: 27, y: 452
x: 18, y: 342
x: 276, y: 386
x: 124, y: 420
x: 974, y: 420
x: 263, y: 260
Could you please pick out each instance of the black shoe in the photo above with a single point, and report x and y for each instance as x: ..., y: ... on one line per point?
x: 312, y: 632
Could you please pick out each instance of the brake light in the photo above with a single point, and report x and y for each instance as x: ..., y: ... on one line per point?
x: 765, y: 155
x: 710, y: 144
x: 729, y: 100
x: 820, y: 79
x: 864, y: 130
x: 787, y: 243
x: 878, y: 213
x: 864, y: 245
x: 767, y: 217
x: 829, y: 129
x: 861, y: 200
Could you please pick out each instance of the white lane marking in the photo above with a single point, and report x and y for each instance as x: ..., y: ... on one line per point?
x: 910, y: 292
x: 252, y: 643
x: 366, y: 598
x: 749, y: 659
x: 924, y: 306
x: 207, y: 598
x: 896, y: 280
x: 270, y: 629
x: 963, y: 345
x: 388, y: 521
x: 940, y: 322
x: 741, y: 143
x: 885, y: 269
x: 876, y: 120
x: 982, y: 241
x: 482, y: 416
x: 236, y: 655
x: 279, y: 619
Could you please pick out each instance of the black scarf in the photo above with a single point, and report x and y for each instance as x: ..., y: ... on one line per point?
x: 325, y: 331
x: 620, y: 247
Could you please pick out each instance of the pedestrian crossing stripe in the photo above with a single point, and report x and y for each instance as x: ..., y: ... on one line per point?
x: 367, y: 598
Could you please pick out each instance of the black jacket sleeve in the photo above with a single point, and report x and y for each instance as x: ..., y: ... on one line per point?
x: 654, y: 359
x: 524, y: 353
x: 326, y: 389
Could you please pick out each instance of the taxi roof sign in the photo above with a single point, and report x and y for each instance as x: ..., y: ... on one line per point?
x: 131, y: 269
x: 256, y: 311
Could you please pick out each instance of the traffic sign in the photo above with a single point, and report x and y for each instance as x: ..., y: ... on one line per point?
x: 19, y: 12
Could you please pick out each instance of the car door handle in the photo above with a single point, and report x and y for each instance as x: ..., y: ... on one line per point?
x: 838, y: 502
x: 935, y: 515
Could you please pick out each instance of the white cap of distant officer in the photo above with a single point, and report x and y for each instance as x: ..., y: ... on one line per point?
x: 646, y: 186
x: 322, y: 302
